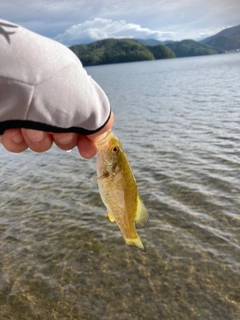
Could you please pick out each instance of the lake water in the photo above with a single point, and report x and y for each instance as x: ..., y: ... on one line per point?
x: 61, y: 258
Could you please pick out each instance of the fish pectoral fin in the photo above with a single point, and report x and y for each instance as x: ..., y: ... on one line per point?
x: 136, y: 242
x: 110, y: 217
x: 103, y: 176
x: 142, y: 214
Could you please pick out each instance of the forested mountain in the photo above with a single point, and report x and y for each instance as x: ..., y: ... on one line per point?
x: 119, y: 50
x: 189, y: 48
x: 161, y: 52
x: 227, y: 40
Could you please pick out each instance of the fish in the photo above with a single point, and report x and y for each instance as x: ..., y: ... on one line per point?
x: 118, y: 189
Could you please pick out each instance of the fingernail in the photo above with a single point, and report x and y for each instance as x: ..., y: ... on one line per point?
x: 66, y: 138
x: 35, y: 136
x: 17, y: 137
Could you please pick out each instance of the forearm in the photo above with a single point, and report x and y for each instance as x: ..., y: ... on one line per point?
x: 43, y: 86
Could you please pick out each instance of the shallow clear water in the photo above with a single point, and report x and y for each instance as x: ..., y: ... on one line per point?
x: 61, y: 258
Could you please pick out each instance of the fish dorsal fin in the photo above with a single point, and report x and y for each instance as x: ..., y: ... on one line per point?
x: 142, y: 213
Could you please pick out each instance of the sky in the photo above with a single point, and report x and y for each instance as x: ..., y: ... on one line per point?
x: 83, y: 21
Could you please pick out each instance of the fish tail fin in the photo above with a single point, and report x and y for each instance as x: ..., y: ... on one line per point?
x: 136, y: 242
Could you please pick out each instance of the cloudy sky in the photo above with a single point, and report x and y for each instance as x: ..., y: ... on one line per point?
x: 83, y: 21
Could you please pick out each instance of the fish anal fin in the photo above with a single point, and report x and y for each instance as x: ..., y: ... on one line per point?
x: 110, y: 217
x: 142, y: 213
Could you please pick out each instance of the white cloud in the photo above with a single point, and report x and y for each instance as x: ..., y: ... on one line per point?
x: 65, y: 20
x: 99, y: 29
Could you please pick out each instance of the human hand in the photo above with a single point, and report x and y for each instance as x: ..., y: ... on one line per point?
x: 18, y: 140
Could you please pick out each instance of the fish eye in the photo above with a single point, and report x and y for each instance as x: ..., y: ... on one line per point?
x: 115, y: 150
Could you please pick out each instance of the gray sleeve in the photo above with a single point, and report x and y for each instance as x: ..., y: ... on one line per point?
x: 44, y: 86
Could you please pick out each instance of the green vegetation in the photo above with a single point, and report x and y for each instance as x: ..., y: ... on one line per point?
x: 189, y: 48
x: 161, y: 52
x: 119, y: 50
x: 111, y: 51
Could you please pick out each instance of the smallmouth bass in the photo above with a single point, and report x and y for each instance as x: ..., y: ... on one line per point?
x: 118, y: 189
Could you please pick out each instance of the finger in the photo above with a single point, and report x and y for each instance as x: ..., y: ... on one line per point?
x: 38, y: 141
x: 1, y: 138
x: 65, y: 141
x: 86, y: 147
x: 104, y: 129
x: 13, y: 141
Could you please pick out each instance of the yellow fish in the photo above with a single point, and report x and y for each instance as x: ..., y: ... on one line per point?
x: 118, y: 189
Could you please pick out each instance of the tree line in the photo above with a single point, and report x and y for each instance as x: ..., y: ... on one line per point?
x: 128, y: 50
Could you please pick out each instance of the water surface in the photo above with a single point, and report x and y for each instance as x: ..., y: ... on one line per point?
x: 61, y: 258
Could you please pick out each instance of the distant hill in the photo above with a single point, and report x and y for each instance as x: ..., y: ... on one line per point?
x: 149, y: 42
x: 227, y: 40
x: 189, y: 48
x: 119, y: 50
x: 153, y: 42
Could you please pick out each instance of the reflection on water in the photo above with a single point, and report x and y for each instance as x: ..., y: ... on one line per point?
x: 61, y: 258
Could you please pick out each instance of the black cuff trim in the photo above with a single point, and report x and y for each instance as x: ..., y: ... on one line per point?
x: 26, y: 124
